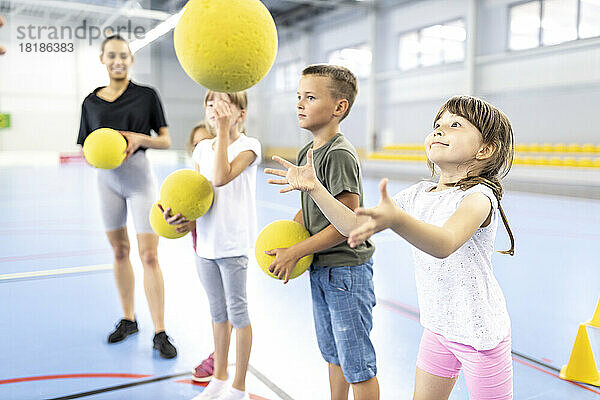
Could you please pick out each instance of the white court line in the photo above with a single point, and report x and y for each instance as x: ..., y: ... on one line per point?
x: 59, y: 271
x: 276, y: 389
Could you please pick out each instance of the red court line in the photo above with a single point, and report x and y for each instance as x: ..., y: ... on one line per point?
x: 192, y: 382
x: 66, y: 376
x: 407, y: 315
x: 103, y: 375
x: 405, y: 306
x: 256, y: 397
x: 514, y: 357
x: 54, y: 255
x: 555, y: 375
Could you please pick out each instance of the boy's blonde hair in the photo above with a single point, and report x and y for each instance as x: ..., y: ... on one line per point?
x: 343, y: 83
x: 496, y: 132
x: 240, y: 99
x: 200, y: 125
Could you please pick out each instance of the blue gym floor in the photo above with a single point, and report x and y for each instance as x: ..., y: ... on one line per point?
x: 59, y: 300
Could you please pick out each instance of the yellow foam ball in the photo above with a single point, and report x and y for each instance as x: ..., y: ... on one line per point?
x: 226, y: 45
x: 160, y: 226
x: 186, y: 192
x: 281, y: 234
x: 104, y: 148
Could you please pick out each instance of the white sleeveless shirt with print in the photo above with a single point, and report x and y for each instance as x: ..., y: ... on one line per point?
x: 459, y: 297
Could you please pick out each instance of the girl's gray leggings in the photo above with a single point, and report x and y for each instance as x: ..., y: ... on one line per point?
x: 224, y: 280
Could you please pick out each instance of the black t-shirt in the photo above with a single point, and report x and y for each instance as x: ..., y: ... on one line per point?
x: 137, y: 109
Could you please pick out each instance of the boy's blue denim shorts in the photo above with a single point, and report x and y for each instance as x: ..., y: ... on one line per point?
x: 343, y: 300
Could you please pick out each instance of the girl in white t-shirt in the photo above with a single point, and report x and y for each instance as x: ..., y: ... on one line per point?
x: 452, y: 226
x: 225, y: 234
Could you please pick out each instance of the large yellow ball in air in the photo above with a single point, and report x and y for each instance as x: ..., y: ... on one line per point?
x: 226, y: 45
x: 104, y: 148
x: 186, y: 192
x: 160, y: 226
x: 281, y: 234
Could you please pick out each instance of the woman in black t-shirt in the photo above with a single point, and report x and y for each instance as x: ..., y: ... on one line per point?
x: 135, y: 111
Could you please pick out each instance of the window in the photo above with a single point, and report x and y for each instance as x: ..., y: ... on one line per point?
x: 559, y: 21
x: 433, y: 45
x: 525, y: 24
x: 589, y: 18
x: 287, y: 75
x: 409, y: 51
x: 357, y: 59
x: 549, y: 22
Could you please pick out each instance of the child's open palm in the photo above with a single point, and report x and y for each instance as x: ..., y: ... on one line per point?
x: 379, y: 218
x: 297, y: 177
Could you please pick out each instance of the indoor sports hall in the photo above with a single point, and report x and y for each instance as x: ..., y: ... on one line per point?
x: 75, y: 267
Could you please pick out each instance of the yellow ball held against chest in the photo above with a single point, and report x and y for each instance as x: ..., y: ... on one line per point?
x: 104, y: 148
x: 186, y: 192
x: 281, y: 234
x: 226, y: 45
x: 160, y: 226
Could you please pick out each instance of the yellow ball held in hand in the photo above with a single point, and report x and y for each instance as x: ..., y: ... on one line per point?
x: 281, y: 234
x: 104, y: 148
x: 160, y: 226
x: 226, y: 45
x: 186, y: 192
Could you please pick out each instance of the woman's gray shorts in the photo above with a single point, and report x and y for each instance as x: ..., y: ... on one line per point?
x: 133, y: 182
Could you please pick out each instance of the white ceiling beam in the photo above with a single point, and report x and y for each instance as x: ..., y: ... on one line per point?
x: 330, y: 3
x: 117, y: 14
x: 91, y: 8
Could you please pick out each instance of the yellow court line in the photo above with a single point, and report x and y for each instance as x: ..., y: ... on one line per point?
x: 59, y: 271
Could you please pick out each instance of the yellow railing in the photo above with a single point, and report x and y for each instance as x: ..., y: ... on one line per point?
x: 575, y: 155
x: 585, y: 155
x: 519, y: 148
x: 381, y: 155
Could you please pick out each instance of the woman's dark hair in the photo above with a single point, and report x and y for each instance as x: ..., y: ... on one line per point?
x: 113, y: 37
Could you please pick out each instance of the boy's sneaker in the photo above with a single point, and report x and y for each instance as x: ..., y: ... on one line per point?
x: 164, y: 346
x: 123, y: 329
x: 204, y: 371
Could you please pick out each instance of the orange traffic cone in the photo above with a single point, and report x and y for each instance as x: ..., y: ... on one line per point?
x: 581, y: 366
x: 596, y: 318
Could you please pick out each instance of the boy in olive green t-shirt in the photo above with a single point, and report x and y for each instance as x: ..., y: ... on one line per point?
x: 341, y: 277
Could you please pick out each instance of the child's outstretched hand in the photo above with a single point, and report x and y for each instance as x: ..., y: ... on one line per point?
x: 298, y: 178
x: 379, y: 217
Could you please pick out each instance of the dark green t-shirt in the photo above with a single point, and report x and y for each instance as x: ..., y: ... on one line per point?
x: 337, y: 168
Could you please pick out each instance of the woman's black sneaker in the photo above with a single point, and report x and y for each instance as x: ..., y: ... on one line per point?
x: 164, y: 346
x: 124, y: 329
